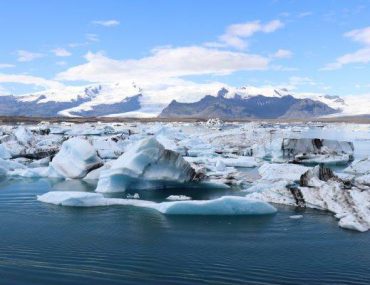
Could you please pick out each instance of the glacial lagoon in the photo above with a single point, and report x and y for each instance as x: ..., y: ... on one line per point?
x: 43, y: 243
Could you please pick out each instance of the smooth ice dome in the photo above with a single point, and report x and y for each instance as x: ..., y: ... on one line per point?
x: 146, y: 160
x: 75, y: 159
x: 227, y: 205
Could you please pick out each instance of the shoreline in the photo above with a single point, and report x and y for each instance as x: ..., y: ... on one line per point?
x: 361, y: 119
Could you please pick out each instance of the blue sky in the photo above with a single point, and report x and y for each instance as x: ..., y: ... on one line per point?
x: 308, y: 46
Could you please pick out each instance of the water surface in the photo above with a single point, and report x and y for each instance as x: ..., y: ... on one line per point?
x: 48, y: 244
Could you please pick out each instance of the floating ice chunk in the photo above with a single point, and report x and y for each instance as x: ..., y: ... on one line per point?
x: 215, y: 123
x: 40, y: 162
x: 4, y: 152
x: 135, y: 196
x: 296, y: 217
x: 35, y: 172
x: 326, y: 192
x: 351, y: 223
x: 318, y: 150
x: 227, y: 205
x: 275, y: 172
x: 75, y: 199
x: 23, y: 135
x: 220, y: 165
x: 147, y: 160
x: 10, y: 165
x: 272, y: 192
x: 178, y: 198
x: 75, y: 159
x: 106, y: 147
x: 364, y: 179
x: 359, y: 167
x: 240, y: 161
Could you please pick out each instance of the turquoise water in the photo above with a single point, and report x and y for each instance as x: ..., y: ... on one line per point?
x: 48, y: 244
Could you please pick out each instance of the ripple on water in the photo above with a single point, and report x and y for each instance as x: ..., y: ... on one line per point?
x: 47, y: 244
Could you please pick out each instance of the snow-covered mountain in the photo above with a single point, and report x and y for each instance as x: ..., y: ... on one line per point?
x: 241, y: 106
x: 129, y: 100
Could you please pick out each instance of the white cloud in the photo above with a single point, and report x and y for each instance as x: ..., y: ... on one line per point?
x: 24, y: 55
x: 29, y: 80
x: 360, y: 35
x: 236, y: 34
x: 282, y: 53
x: 61, y: 63
x: 163, y: 64
x: 6, y: 65
x: 107, y: 23
x: 360, y: 56
x: 61, y: 52
x: 304, y: 14
x: 297, y: 80
x: 92, y: 37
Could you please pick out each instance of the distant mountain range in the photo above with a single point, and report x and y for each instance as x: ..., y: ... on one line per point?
x: 117, y: 100
x: 238, y: 107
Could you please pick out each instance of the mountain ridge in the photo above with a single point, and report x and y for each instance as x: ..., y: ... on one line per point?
x: 129, y: 100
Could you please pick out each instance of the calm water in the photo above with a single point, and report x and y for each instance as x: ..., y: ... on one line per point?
x: 47, y: 244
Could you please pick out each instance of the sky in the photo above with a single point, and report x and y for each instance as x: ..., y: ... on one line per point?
x: 317, y: 46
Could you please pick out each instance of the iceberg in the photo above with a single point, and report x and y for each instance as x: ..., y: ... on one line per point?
x: 227, y: 205
x: 315, y: 151
x: 284, y: 171
x: 321, y: 189
x: 146, y: 160
x: 75, y: 159
x: 359, y: 167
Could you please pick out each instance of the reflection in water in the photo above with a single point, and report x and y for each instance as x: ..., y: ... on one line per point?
x: 48, y: 244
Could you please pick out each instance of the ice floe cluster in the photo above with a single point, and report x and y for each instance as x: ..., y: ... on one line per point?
x: 260, y: 163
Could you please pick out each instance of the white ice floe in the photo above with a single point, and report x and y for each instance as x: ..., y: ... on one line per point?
x: 296, y: 217
x: 277, y: 172
x: 240, y: 161
x: 227, y: 205
x: 359, y: 167
x: 178, y: 198
x: 146, y: 160
x: 75, y: 159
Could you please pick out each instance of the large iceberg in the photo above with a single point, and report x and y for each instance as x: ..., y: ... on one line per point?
x: 316, y: 150
x: 75, y: 159
x: 146, y: 160
x: 321, y: 189
x: 227, y: 205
